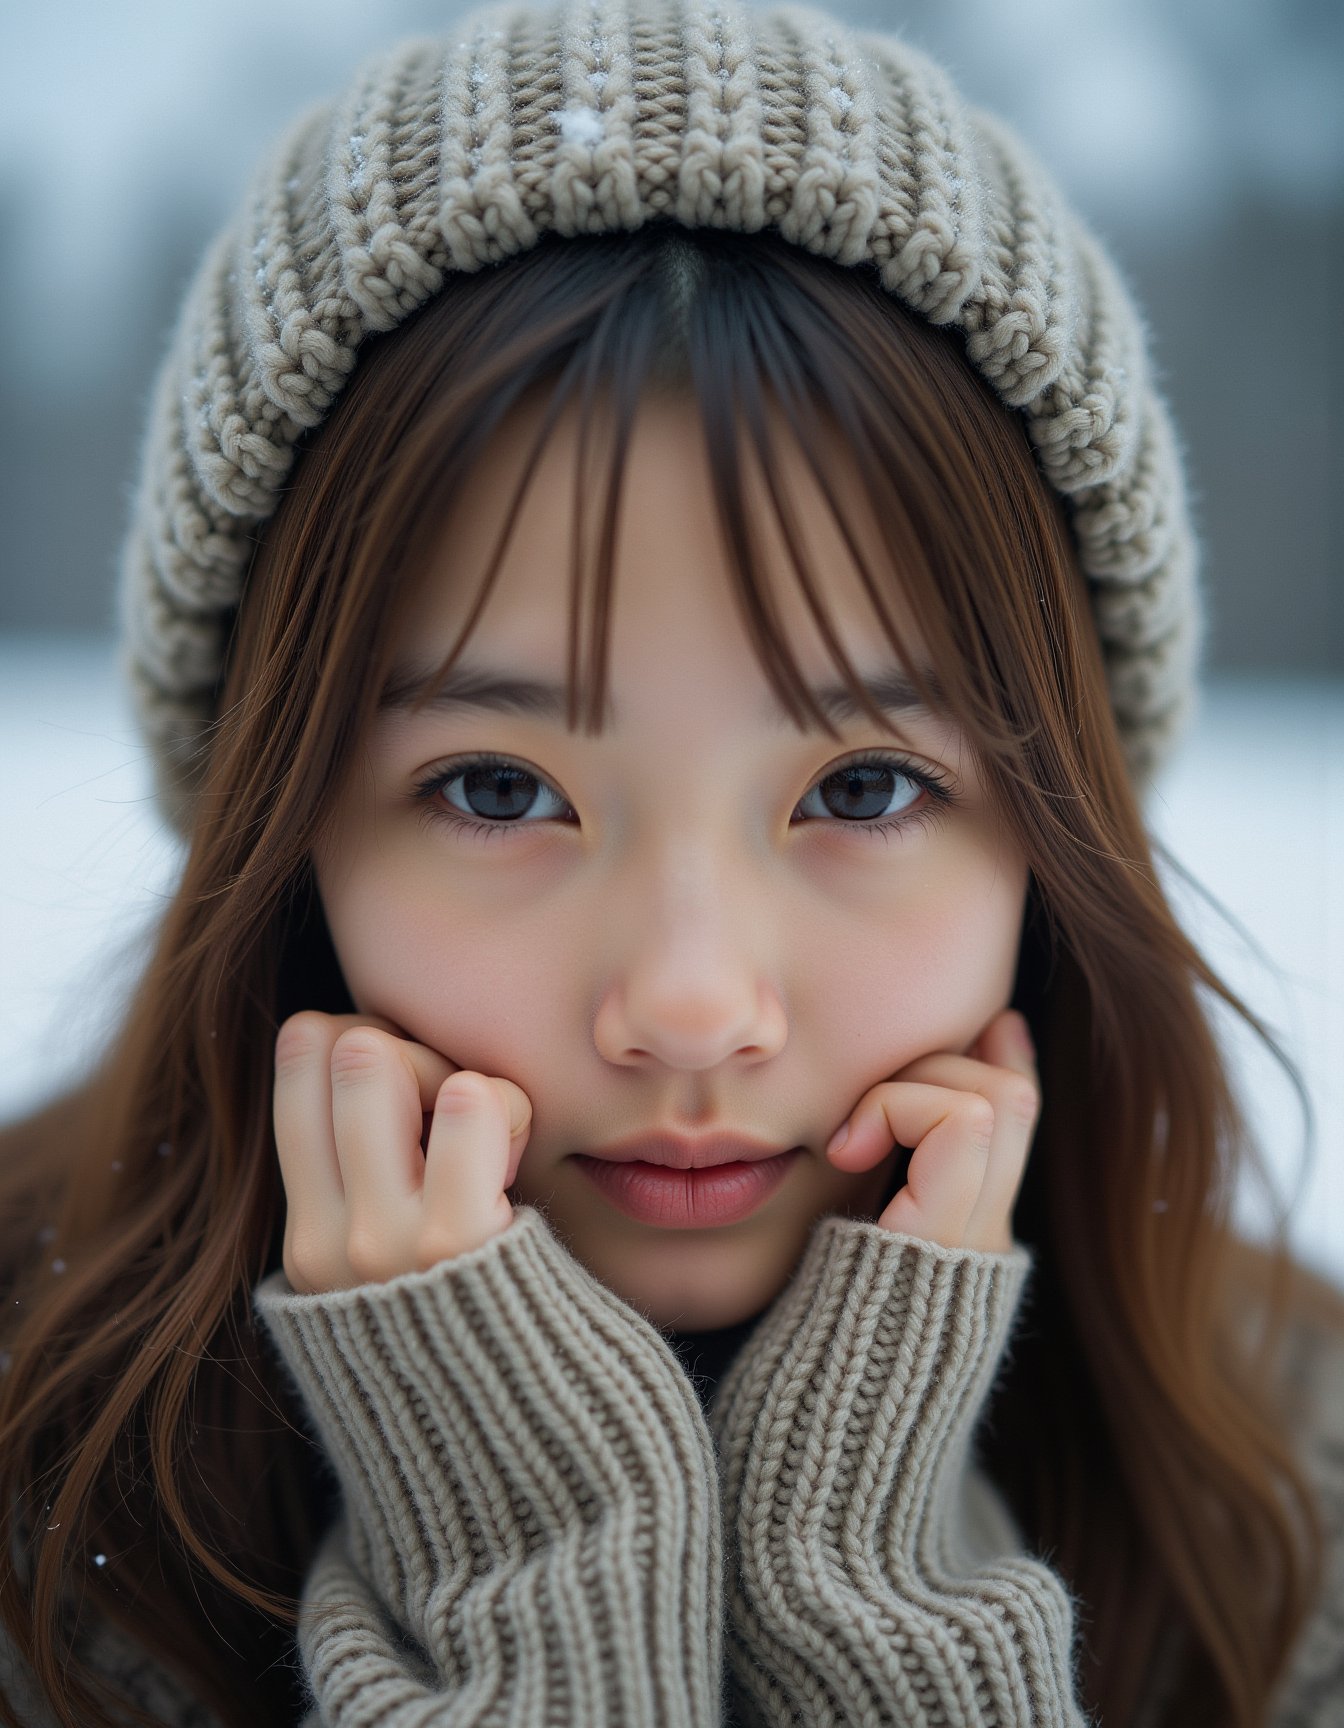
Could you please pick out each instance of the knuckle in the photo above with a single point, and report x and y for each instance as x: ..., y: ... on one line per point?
x: 367, y: 1256
x: 978, y: 1117
x: 357, y: 1053
x: 464, y: 1083
x: 300, y: 1039
x: 303, y: 1260
x: 1021, y: 1100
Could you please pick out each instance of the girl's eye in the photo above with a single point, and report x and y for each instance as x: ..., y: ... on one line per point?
x: 879, y: 794
x: 876, y: 793
x: 494, y: 789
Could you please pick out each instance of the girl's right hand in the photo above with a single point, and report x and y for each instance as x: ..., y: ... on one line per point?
x: 367, y: 1196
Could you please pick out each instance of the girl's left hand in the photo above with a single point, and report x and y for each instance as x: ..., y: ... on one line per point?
x: 970, y: 1120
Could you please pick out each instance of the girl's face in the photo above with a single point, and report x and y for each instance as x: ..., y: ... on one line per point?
x: 692, y: 921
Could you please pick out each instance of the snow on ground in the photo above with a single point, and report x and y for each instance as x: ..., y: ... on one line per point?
x: 1253, y: 807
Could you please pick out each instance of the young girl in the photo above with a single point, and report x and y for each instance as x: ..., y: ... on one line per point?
x: 669, y: 1164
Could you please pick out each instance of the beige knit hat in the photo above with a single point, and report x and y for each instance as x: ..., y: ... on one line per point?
x: 593, y: 115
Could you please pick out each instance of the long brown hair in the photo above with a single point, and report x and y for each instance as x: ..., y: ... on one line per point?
x: 143, y: 1420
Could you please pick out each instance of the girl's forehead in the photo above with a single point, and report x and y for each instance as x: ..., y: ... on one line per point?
x: 674, y: 591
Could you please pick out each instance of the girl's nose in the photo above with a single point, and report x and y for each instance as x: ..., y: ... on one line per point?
x: 686, y: 987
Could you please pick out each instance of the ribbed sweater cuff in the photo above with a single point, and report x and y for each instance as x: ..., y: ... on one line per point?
x: 846, y: 1432
x: 505, y: 1413
x: 874, y: 1362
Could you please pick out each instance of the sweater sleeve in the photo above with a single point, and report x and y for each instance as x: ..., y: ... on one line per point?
x: 871, y: 1576
x: 530, y: 1525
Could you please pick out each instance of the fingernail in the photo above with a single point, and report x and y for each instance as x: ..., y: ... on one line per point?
x: 837, y: 1139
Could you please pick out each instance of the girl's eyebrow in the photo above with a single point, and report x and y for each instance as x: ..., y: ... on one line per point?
x: 471, y: 684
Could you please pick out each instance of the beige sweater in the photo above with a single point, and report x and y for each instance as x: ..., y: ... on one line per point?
x: 540, y: 1524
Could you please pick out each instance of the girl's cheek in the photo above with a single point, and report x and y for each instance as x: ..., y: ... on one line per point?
x: 929, y: 974
x: 453, y: 980
x: 920, y: 1010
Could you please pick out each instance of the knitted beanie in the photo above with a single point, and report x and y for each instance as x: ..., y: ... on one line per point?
x: 586, y: 116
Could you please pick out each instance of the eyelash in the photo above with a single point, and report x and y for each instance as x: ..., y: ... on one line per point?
x: 940, y: 796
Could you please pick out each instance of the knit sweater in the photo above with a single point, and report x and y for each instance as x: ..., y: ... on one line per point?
x: 540, y: 1523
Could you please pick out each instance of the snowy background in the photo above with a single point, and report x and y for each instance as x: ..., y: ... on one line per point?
x: 1203, y: 139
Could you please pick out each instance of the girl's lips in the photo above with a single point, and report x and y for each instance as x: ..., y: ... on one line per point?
x: 687, y: 1199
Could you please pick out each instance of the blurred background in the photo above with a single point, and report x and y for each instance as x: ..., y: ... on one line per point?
x: 1204, y: 141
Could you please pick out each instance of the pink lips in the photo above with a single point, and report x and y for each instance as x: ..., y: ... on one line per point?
x: 688, y: 1197
x: 687, y: 1152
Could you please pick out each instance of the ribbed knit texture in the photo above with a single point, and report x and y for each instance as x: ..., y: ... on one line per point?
x: 588, y: 116
x: 855, y: 1594
x: 530, y: 1493
x: 532, y: 1507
